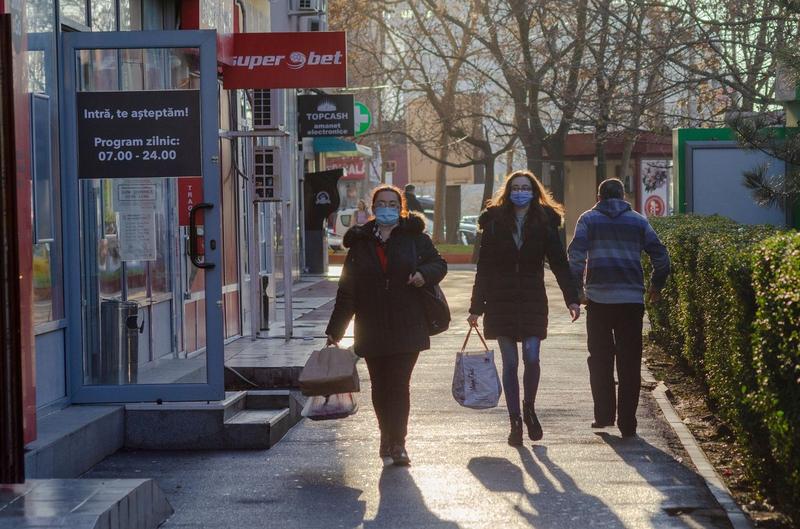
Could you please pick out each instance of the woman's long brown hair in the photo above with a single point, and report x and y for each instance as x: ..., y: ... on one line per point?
x: 541, y: 198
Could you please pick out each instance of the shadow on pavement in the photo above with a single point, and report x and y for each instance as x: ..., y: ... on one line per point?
x: 402, y: 505
x: 686, y: 496
x: 329, y: 506
x: 558, y: 504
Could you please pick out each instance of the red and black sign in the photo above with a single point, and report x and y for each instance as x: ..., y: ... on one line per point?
x: 312, y: 59
x: 190, y: 192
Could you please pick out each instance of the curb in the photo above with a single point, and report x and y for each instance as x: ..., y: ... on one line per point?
x: 737, y: 517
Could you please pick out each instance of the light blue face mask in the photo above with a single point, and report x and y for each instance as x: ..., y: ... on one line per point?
x: 521, y: 198
x: 386, y: 216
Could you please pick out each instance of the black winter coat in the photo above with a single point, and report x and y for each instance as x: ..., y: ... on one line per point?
x: 509, y: 287
x: 388, y: 312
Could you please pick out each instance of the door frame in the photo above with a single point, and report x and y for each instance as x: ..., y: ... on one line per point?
x: 206, y: 42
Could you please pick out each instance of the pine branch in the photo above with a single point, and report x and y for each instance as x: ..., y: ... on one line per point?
x: 771, y: 191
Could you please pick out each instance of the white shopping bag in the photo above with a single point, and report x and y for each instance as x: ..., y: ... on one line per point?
x: 475, y: 381
x: 329, y: 407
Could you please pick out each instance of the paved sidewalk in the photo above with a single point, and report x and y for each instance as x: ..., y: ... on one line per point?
x: 464, y: 475
x: 312, y: 305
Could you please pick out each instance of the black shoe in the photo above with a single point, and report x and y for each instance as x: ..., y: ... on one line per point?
x: 535, y: 432
x: 627, y: 434
x: 400, y: 456
x: 515, y: 437
x: 598, y: 424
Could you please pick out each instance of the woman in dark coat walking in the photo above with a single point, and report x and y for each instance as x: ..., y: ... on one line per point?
x: 390, y: 258
x: 519, y: 230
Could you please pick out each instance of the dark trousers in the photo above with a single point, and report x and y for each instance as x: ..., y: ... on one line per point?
x: 615, y: 330
x: 390, y: 376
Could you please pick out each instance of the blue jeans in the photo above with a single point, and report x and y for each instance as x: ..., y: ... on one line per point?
x: 531, y: 373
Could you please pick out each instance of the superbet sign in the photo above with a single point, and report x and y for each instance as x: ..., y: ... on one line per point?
x: 312, y: 59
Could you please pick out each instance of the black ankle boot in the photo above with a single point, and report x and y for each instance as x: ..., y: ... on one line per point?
x: 515, y: 437
x: 535, y: 432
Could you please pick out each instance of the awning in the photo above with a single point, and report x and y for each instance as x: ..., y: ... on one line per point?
x: 338, y: 145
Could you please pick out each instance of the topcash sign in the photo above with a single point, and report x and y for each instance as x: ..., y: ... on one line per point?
x: 313, y: 59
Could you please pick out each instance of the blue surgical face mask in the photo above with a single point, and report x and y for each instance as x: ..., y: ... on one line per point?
x: 386, y: 216
x: 521, y: 198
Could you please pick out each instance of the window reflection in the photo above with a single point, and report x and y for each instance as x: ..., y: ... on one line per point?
x: 48, y: 301
x: 74, y: 10
x: 39, y: 16
x: 104, y: 16
x: 130, y: 15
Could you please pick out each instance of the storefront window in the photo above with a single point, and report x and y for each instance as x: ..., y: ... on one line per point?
x: 45, y: 197
x: 37, y: 75
x: 109, y: 262
x: 129, y: 226
x: 47, y: 303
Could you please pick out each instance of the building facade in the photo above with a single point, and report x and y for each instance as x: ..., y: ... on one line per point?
x: 116, y: 257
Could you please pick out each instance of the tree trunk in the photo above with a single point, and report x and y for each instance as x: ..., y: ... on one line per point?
x: 488, y: 190
x: 534, y: 152
x: 441, y: 192
x: 627, y: 152
x: 488, y: 185
x: 600, y: 153
x: 557, y: 172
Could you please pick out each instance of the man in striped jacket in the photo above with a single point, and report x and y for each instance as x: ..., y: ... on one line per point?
x: 605, y: 260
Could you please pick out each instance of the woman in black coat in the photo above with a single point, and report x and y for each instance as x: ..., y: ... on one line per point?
x: 389, y: 259
x: 519, y: 230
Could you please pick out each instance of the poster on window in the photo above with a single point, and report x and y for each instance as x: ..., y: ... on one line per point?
x: 137, y: 236
x: 139, y: 134
x: 137, y: 195
x: 654, y: 187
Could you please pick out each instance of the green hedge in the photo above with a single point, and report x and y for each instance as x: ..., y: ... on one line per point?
x: 776, y: 357
x: 731, y: 311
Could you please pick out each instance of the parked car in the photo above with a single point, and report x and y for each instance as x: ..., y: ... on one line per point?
x: 468, y: 229
x: 345, y: 219
x: 334, y: 241
x: 427, y: 202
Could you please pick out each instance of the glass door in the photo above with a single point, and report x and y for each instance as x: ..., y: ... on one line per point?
x: 142, y: 179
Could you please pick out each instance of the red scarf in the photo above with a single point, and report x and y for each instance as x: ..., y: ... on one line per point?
x: 380, y: 249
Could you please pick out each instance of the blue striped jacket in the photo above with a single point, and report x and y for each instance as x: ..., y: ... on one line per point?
x: 605, y: 256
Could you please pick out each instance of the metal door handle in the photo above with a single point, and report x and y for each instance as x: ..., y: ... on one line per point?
x: 193, y: 255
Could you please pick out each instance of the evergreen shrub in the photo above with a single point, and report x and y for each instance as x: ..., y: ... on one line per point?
x: 731, y: 312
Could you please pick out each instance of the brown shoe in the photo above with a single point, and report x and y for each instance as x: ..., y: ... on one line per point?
x: 400, y: 456
x: 386, y: 448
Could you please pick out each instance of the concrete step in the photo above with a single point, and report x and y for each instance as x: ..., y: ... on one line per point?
x: 245, y: 420
x: 72, y: 440
x: 267, y: 399
x: 181, y: 425
x: 256, y: 429
x: 264, y: 377
x: 84, y: 503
